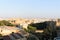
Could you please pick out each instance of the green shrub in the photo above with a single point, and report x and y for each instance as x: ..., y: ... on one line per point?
x: 31, y: 28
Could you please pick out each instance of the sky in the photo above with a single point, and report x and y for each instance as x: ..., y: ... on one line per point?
x: 30, y: 8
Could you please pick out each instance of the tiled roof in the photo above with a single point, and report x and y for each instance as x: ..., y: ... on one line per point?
x: 14, y: 36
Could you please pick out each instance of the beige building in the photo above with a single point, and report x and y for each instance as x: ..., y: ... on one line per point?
x: 7, y: 30
x: 57, y: 22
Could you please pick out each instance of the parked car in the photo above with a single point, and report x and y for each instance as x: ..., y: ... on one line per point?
x: 57, y: 38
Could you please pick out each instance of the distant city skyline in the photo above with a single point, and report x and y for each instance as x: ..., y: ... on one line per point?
x: 30, y: 8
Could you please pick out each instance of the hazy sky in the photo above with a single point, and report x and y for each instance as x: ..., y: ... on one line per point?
x: 30, y: 8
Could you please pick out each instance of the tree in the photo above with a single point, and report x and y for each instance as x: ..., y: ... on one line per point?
x: 6, y: 23
x: 48, y: 33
